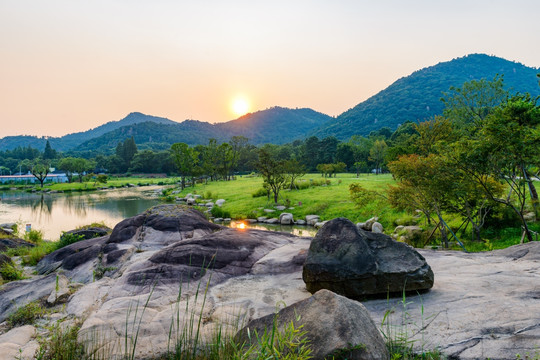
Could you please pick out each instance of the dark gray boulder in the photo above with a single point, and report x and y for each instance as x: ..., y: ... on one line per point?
x: 154, y: 229
x: 336, y: 327
x: 4, y: 259
x: 360, y: 264
x: 12, y: 243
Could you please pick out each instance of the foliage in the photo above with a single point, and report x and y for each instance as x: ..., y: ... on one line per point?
x: 68, y: 239
x: 186, y: 159
x: 34, y: 236
x: 25, y: 315
x: 218, y: 212
x: 261, y: 192
x: 10, y: 272
x: 62, y: 344
x: 273, y: 172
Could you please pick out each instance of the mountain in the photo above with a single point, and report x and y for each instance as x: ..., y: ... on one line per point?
x: 276, y: 125
x: 417, y: 96
x: 70, y: 141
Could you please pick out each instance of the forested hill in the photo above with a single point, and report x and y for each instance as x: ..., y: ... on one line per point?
x: 70, y: 141
x: 276, y: 125
x: 417, y: 96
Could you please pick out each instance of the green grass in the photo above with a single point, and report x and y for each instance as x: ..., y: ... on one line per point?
x: 112, y: 182
x: 26, y: 314
x: 328, y: 202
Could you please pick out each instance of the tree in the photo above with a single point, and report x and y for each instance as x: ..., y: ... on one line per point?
x: 40, y: 170
x: 126, y: 151
x: 505, y: 149
x: 82, y: 166
x: 68, y: 166
x: 294, y: 170
x: 238, y: 146
x: 470, y: 104
x: 186, y: 159
x: 377, y: 154
x: 424, y: 183
x: 48, y: 152
x: 273, y: 172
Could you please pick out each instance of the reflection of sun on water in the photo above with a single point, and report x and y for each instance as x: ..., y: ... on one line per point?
x: 240, y: 225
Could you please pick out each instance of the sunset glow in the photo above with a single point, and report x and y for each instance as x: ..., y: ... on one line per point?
x: 240, y: 106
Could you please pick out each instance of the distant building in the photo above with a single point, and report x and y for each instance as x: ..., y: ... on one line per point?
x: 29, y: 178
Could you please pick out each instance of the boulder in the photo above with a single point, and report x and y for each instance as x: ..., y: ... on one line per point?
x: 157, y: 227
x: 12, y: 243
x: 268, y: 211
x: 280, y: 207
x: 220, y: 202
x: 88, y: 233
x: 272, y: 221
x: 300, y: 222
x: 191, y: 201
x: 19, y: 343
x: 368, y: 224
x: 6, y: 231
x: 333, y: 325
x: 262, y: 218
x: 357, y: 264
x: 209, y: 204
x: 16, y: 294
x: 11, y: 226
x: 61, y: 291
x: 312, y: 219
x: 286, y: 219
x: 319, y: 224
x: 377, y: 228
x: 251, y: 221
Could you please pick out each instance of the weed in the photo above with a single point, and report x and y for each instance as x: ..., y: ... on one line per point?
x: 62, y: 344
x: 26, y: 314
x: 10, y: 272
x: 218, y: 212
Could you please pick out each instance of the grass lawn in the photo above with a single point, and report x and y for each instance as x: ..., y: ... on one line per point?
x: 328, y: 202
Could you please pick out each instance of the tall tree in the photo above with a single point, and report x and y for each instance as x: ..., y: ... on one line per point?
x: 49, y: 153
x: 377, y: 154
x: 273, y: 172
x: 40, y: 170
x: 186, y: 159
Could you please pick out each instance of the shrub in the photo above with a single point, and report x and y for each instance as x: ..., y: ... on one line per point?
x: 302, y: 184
x: 34, y: 236
x: 61, y: 345
x: 26, y: 315
x: 68, y: 239
x: 11, y: 272
x: 218, y: 212
x: 260, y: 193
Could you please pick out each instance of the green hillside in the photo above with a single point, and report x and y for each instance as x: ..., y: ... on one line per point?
x: 417, y: 96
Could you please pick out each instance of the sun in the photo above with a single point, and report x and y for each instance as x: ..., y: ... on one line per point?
x: 240, y: 106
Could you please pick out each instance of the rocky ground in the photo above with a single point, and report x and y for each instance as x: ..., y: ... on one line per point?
x: 484, y: 305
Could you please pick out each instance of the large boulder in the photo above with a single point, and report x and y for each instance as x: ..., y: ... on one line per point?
x: 312, y: 219
x: 333, y: 325
x: 360, y: 264
x: 154, y: 229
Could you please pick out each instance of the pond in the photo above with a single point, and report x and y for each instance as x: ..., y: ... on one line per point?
x: 54, y: 213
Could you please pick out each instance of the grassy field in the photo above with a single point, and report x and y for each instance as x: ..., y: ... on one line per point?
x: 334, y: 200
x: 328, y: 201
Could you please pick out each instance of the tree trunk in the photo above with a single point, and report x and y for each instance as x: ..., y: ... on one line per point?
x: 444, y: 234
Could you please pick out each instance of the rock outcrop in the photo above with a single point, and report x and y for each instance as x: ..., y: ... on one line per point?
x: 359, y: 264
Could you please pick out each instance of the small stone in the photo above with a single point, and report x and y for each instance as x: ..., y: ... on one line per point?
x: 269, y: 211
x: 377, y: 228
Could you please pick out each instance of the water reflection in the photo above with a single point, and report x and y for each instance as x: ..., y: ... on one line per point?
x: 297, y: 230
x: 54, y: 213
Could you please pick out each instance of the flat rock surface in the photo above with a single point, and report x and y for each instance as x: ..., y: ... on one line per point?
x: 482, y: 305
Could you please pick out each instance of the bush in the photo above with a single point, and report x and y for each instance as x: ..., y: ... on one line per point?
x: 11, y: 272
x: 26, y: 314
x: 260, y: 193
x: 68, y: 239
x: 34, y: 236
x: 61, y: 345
x: 302, y: 184
x: 218, y: 212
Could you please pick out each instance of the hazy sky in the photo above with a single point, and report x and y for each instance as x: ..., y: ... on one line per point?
x: 68, y: 66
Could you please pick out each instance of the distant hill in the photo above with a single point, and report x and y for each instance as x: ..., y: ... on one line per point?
x: 70, y: 141
x: 276, y: 125
x: 417, y: 97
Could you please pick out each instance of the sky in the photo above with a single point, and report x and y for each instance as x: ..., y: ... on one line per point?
x: 71, y: 65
